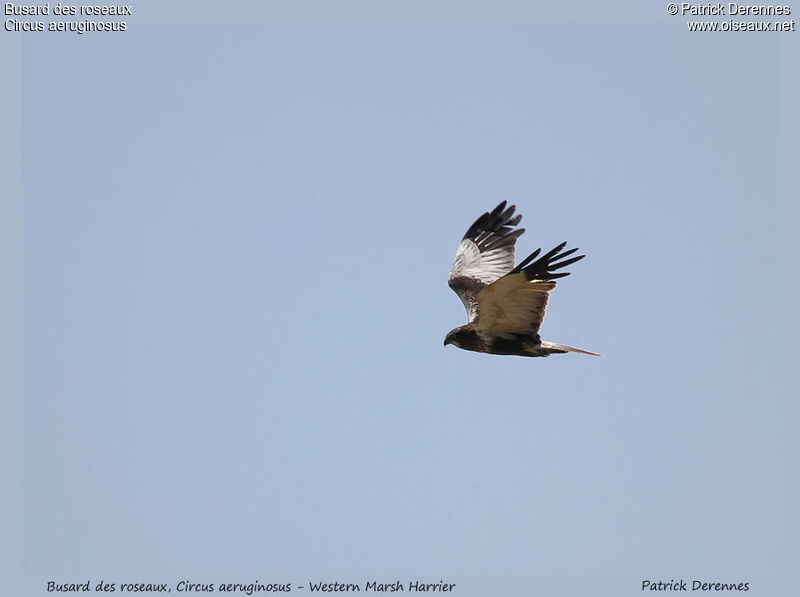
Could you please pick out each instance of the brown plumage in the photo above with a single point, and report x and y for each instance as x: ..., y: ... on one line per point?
x: 505, y: 304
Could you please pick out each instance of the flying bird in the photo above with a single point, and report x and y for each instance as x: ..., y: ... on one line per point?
x: 505, y: 304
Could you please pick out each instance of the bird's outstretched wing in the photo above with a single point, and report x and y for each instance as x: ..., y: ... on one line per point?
x: 516, y: 302
x: 485, y: 254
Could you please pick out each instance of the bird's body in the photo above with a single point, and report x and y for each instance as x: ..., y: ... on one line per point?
x: 505, y: 304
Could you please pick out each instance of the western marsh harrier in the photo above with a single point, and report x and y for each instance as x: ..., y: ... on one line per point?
x: 505, y: 304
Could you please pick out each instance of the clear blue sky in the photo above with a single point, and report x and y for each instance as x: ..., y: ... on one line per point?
x: 235, y: 244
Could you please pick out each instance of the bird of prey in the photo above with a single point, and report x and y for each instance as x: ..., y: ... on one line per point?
x: 505, y: 304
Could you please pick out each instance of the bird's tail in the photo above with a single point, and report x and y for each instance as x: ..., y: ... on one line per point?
x: 564, y: 348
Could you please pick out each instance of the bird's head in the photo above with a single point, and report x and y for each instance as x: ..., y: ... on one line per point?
x: 463, y: 337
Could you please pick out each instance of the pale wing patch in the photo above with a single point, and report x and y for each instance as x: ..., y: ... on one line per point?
x: 484, y: 267
x: 513, y: 304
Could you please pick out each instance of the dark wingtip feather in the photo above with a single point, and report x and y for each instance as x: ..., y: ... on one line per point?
x: 499, y: 222
x: 560, y: 264
x: 544, y: 267
x: 526, y: 261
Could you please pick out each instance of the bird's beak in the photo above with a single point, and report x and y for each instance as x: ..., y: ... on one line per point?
x: 446, y: 342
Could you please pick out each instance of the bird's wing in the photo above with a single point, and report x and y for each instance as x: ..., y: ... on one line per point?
x: 485, y: 254
x: 517, y: 301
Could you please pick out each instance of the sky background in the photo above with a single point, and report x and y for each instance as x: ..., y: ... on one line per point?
x: 235, y: 240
